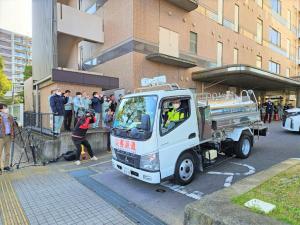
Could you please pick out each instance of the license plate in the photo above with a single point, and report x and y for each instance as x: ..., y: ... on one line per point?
x: 126, y: 171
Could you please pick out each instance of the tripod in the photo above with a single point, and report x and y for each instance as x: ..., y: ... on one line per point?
x: 18, y: 133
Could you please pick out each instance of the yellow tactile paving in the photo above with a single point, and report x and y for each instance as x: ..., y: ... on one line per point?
x: 11, y: 210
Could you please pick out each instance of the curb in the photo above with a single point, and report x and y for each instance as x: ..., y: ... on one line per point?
x: 217, y: 209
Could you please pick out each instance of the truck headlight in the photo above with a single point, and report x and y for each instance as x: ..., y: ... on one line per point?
x: 150, y: 162
x: 113, y: 153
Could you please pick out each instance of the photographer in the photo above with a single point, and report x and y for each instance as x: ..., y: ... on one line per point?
x: 79, y: 134
x: 6, y: 135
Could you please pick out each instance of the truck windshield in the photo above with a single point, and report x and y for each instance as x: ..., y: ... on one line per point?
x: 135, y: 117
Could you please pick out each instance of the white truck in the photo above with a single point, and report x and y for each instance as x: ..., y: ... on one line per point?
x: 147, y: 145
x: 291, y: 120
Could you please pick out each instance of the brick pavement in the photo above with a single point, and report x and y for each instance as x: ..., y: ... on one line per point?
x: 48, y: 196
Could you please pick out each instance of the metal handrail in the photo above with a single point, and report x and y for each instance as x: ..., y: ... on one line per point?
x: 171, y: 86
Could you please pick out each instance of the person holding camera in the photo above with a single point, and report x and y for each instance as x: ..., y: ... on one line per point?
x: 79, y: 135
x: 6, y: 135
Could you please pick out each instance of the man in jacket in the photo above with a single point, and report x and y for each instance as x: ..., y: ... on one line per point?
x: 57, y: 107
x: 78, y: 107
x: 86, y: 101
x: 97, y: 101
x: 269, y: 111
x: 113, y: 104
x: 68, y: 110
x: 79, y: 135
x: 6, y: 135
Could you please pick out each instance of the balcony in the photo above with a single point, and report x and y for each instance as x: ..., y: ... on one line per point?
x: 188, y: 5
x: 171, y: 60
x: 73, y: 22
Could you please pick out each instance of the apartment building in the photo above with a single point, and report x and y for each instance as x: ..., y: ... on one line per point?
x: 15, y: 49
x: 204, y: 45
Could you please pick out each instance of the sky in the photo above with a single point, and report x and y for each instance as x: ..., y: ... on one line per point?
x: 16, y: 16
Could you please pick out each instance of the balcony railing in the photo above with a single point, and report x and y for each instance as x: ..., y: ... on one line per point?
x: 76, y: 23
x: 188, y: 5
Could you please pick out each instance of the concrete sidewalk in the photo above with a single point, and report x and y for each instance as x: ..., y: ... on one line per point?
x: 49, y: 196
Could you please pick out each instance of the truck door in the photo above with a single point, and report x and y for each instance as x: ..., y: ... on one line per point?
x: 178, y: 131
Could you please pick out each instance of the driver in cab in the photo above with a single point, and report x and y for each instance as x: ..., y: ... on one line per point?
x: 175, y: 114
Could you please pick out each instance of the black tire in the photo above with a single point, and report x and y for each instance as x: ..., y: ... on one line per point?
x: 183, y: 165
x: 241, y: 151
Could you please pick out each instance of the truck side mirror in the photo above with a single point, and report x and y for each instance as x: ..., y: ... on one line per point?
x: 145, y: 122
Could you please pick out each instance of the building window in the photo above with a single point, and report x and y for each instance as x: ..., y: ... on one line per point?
x: 274, y: 37
x: 276, y: 6
x: 258, y: 61
x: 274, y: 67
x: 289, y: 19
x: 287, y: 73
x: 219, y: 54
x: 288, y: 47
x: 235, y: 55
x: 259, y: 31
x: 236, y: 18
x: 92, y: 9
x: 193, y: 42
x: 220, y: 11
x: 259, y: 3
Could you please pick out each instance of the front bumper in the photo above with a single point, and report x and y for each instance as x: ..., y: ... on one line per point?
x: 290, y: 125
x: 149, y: 177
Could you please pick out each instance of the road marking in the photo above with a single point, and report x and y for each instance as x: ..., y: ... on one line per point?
x: 229, y: 179
x: 251, y: 168
x: 182, y: 190
x: 97, y: 164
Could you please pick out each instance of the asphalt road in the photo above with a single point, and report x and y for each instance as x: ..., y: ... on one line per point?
x: 167, y: 201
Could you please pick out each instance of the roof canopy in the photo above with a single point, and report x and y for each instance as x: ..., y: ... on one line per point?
x: 247, y: 77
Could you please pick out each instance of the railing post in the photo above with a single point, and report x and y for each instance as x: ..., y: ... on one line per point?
x: 41, y: 123
x: 53, y: 122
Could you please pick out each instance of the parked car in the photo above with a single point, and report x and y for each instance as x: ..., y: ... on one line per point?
x: 291, y: 119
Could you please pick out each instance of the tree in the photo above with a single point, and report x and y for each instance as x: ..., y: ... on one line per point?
x: 27, y: 72
x: 5, y: 84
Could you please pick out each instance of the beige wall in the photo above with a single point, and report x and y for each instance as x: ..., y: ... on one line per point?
x: 73, y: 22
x: 118, y: 27
x: 210, y: 32
x: 28, y: 95
x: 121, y: 67
x: 67, y: 49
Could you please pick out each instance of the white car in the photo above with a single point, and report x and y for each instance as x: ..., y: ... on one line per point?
x: 291, y: 120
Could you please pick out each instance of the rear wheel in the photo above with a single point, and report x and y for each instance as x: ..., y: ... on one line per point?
x: 185, y: 169
x: 243, y: 147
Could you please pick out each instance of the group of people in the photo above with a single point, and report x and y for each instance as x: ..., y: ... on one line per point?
x: 87, y: 112
x: 269, y: 111
x: 66, y: 108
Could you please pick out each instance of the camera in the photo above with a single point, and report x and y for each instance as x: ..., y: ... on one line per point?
x: 90, y: 113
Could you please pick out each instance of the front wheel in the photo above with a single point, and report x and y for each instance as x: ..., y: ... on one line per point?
x: 185, y: 169
x: 243, y: 147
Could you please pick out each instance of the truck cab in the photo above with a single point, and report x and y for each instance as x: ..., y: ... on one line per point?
x: 149, y: 143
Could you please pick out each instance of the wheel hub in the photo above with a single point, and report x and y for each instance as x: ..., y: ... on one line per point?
x: 186, y: 169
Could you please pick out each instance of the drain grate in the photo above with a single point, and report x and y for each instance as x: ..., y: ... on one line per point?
x: 129, y: 209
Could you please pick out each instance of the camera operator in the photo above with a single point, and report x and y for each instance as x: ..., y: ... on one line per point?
x: 6, y: 135
x: 79, y: 134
